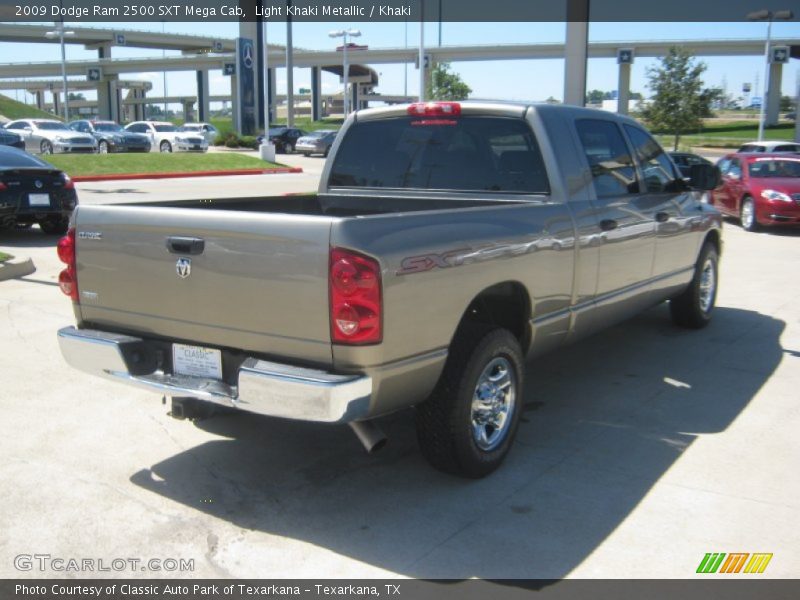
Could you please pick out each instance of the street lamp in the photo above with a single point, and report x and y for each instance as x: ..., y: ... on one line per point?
x: 61, y: 33
x: 344, y: 33
x: 769, y: 17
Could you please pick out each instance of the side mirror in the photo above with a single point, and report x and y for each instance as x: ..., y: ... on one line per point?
x: 704, y: 177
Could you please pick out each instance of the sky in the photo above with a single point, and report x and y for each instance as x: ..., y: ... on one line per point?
x: 529, y: 80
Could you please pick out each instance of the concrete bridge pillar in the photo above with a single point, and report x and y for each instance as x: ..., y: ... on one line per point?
x: 576, y: 52
x: 108, y: 101
x: 188, y: 110
x: 624, y: 88
x: 316, y: 93
x: 39, y: 95
x: 203, y: 102
x: 773, y: 97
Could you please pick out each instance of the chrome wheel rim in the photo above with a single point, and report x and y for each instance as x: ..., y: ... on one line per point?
x: 493, y: 404
x: 708, y: 285
x: 103, y: 148
x: 747, y: 215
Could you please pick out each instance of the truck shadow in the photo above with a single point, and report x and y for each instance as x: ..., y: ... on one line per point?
x: 605, y: 419
x: 27, y: 238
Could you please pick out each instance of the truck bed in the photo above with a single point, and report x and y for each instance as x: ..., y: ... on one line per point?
x: 323, y: 205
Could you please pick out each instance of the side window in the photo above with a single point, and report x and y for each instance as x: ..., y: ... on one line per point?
x: 608, y: 157
x: 654, y: 162
x: 735, y: 170
x: 14, y: 125
x: 724, y: 165
x: 786, y: 148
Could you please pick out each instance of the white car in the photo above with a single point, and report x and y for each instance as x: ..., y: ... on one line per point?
x: 766, y: 146
x: 166, y: 137
x: 207, y: 130
x: 48, y: 136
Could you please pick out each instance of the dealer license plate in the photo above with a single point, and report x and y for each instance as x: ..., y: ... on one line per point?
x: 196, y: 361
x: 38, y: 199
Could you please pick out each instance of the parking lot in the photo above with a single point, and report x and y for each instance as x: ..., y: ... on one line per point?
x: 667, y: 445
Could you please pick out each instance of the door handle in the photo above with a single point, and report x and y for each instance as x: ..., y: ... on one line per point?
x: 608, y: 224
x: 662, y: 217
x: 185, y: 245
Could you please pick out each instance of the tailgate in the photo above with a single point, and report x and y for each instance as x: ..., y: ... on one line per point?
x: 242, y: 280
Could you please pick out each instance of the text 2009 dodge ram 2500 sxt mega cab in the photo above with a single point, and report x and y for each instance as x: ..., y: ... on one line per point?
x: 448, y: 243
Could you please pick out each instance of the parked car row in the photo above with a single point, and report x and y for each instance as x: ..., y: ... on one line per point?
x: 759, y: 184
x: 49, y: 136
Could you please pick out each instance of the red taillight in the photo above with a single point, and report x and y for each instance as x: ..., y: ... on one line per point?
x: 68, y: 183
x: 3, y: 187
x: 355, y: 298
x: 68, y: 278
x: 434, y: 109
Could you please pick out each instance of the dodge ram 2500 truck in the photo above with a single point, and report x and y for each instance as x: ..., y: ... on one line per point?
x: 448, y: 243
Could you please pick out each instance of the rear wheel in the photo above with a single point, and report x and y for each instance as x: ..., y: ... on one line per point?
x: 468, y: 424
x: 102, y: 147
x: 747, y: 214
x: 54, y: 225
x: 694, y: 306
x: 165, y: 147
x: 46, y: 147
x: 290, y: 148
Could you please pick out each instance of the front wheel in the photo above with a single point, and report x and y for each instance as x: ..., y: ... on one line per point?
x: 468, y: 424
x: 748, y: 215
x: 693, y: 307
x: 165, y: 147
x: 46, y: 147
x: 102, y: 147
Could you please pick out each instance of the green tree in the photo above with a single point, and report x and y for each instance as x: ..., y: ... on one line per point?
x: 447, y: 85
x: 594, y: 97
x: 679, y: 101
x: 787, y: 103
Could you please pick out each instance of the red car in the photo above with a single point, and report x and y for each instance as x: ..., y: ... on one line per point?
x: 759, y: 189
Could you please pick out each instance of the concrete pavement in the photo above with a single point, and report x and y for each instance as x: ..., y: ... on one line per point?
x: 642, y: 449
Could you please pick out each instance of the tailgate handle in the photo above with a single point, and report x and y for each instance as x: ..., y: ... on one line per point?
x: 185, y: 245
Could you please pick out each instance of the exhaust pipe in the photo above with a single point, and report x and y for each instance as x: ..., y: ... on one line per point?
x: 369, y: 434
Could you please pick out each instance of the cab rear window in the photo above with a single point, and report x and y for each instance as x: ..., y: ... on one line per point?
x: 467, y: 153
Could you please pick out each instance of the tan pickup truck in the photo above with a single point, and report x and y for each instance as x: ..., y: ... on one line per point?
x: 448, y: 244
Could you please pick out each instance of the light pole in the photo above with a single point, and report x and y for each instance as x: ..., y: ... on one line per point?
x: 344, y: 33
x: 769, y: 17
x: 61, y: 33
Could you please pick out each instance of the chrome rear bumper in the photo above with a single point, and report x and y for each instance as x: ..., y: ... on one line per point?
x: 263, y: 387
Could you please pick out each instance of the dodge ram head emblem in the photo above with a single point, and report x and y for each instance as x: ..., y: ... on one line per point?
x: 184, y: 267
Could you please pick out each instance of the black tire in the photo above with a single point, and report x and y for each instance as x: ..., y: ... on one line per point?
x: 695, y: 305
x: 165, y: 146
x: 102, y: 147
x: 46, y: 147
x: 306, y: 154
x: 747, y: 214
x: 290, y: 148
x: 447, y: 423
x: 54, y: 226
